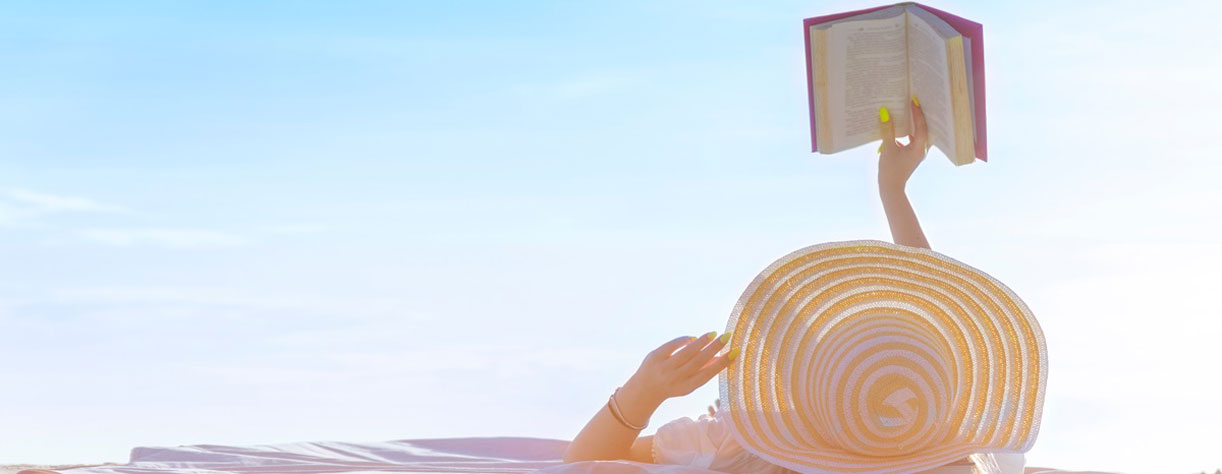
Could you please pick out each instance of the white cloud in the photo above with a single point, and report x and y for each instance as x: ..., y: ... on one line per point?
x: 296, y: 229
x: 19, y: 207
x: 502, y: 361
x: 170, y: 238
x: 363, y: 307
x: 590, y: 86
x: 49, y: 203
x: 583, y: 86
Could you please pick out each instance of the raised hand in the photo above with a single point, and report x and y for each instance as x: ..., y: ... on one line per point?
x: 666, y: 373
x: 896, y: 162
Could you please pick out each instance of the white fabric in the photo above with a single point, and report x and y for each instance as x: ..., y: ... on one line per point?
x: 706, y: 442
x: 447, y: 455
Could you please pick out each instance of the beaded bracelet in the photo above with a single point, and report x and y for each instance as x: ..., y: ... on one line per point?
x: 620, y: 416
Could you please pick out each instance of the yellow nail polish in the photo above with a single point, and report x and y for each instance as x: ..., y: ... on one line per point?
x: 709, y: 335
x: 915, y: 102
x: 880, y: 148
x: 733, y: 353
x: 725, y: 338
x: 884, y: 115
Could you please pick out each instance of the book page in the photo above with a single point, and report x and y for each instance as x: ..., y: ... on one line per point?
x: 971, y: 90
x: 869, y: 66
x: 928, y: 76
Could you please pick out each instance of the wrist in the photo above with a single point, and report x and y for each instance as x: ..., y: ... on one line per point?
x: 639, y: 399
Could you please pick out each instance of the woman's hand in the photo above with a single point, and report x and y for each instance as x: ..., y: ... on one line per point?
x: 665, y: 373
x: 895, y: 165
x: 897, y: 162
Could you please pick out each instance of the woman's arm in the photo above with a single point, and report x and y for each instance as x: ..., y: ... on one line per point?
x: 896, y: 163
x: 664, y: 374
x: 604, y: 437
x: 905, y: 229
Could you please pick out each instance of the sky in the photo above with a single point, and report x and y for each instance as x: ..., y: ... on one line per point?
x: 264, y: 222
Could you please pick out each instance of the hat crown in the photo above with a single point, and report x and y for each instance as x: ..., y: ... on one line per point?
x: 882, y: 384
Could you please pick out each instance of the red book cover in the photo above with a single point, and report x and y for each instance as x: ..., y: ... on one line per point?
x: 969, y: 29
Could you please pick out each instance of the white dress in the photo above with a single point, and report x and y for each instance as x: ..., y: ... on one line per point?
x: 706, y: 442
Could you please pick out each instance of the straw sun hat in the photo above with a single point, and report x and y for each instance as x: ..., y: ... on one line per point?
x: 865, y: 356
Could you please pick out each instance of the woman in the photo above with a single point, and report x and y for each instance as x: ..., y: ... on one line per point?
x: 666, y: 373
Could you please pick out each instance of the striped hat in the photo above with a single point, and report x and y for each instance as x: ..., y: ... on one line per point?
x: 866, y: 356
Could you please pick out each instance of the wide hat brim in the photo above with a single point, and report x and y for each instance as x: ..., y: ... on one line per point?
x: 866, y: 356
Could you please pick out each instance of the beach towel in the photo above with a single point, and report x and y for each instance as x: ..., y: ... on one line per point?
x: 438, y: 455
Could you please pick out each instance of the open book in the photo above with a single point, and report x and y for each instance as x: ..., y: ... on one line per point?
x: 861, y: 60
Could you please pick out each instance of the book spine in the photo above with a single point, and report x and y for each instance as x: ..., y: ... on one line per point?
x: 822, y: 109
x: 810, y: 85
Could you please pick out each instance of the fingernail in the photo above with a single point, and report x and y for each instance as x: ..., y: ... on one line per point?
x: 733, y: 353
x: 709, y: 335
x: 914, y: 101
x: 690, y: 339
x: 725, y: 338
x: 884, y: 115
x: 880, y: 148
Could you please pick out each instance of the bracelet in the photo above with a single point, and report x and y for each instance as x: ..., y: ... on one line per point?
x: 620, y: 416
x: 615, y: 411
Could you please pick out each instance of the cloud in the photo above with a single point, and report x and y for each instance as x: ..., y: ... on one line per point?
x: 589, y: 86
x: 353, y: 363
x: 583, y: 86
x: 169, y: 238
x: 49, y: 203
x: 296, y: 229
x: 19, y: 207
x: 214, y: 296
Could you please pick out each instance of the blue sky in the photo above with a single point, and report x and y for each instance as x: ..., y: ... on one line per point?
x: 236, y: 222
